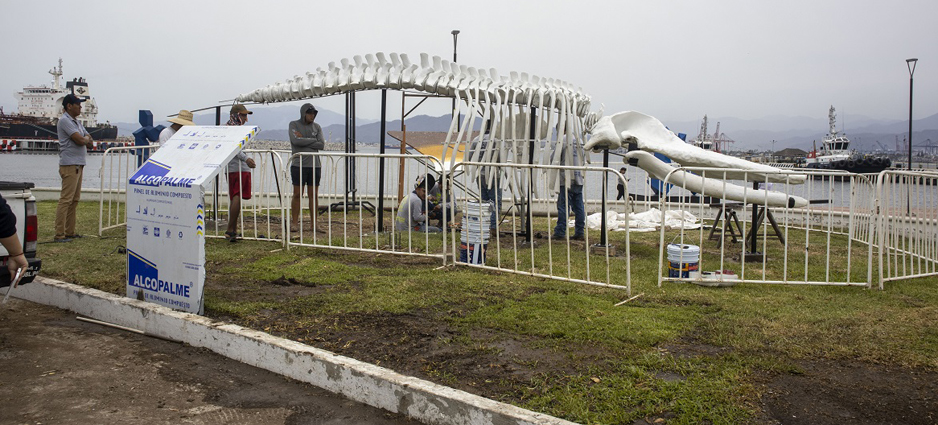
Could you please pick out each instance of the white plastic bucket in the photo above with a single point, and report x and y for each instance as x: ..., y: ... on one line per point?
x: 683, y: 261
x: 475, y: 223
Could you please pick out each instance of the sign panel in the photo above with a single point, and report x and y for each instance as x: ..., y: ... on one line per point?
x: 166, y: 216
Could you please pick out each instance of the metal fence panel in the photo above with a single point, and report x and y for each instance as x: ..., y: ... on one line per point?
x: 908, y: 225
x: 359, y: 198
x: 523, y: 241
x: 752, y: 239
x: 117, y: 165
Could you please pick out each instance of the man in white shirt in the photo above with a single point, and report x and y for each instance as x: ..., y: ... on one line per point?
x: 184, y: 117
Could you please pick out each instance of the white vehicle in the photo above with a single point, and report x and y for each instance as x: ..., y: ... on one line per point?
x: 21, y: 200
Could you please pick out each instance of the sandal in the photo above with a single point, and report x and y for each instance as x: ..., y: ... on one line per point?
x: 231, y: 237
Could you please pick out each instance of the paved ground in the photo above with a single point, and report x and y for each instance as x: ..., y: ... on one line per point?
x: 55, y: 369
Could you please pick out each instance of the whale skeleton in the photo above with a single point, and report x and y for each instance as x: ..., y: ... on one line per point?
x: 507, y: 105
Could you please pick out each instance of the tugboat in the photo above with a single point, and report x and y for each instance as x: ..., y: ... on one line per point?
x: 38, y: 111
x: 836, y: 155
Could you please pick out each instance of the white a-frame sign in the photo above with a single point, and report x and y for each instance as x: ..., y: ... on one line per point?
x: 166, y: 217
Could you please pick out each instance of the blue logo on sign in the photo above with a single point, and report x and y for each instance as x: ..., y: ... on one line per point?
x: 150, y: 174
x: 144, y: 275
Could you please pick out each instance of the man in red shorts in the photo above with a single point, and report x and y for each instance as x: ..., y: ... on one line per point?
x: 239, y: 176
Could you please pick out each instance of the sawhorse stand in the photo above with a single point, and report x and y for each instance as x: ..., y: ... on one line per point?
x: 761, y: 213
x: 731, y: 226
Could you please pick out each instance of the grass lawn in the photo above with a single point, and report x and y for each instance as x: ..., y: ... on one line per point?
x: 679, y: 354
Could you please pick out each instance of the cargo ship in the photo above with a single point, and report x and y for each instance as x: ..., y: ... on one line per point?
x: 33, y: 126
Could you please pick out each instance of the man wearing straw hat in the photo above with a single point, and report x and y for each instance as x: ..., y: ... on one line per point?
x: 184, y: 117
x: 239, y: 176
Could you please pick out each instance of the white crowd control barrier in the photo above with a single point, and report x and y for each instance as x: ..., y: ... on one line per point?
x: 261, y: 216
x: 908, y: 225
x: 117, y: 165
x: 856, y: 230
x: 359, y: 198
x: 521, y: 233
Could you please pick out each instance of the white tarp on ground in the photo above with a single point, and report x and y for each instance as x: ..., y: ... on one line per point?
x: 647, y: 221
x: 165, y: 215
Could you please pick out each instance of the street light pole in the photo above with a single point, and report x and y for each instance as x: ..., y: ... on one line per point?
x: 455, y: 34
x: 910, y: 63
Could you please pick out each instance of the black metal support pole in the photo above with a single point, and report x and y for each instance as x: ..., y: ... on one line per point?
x: 910, y: 122
x: 217, y: 177
x: 910, y: 63
x: 602, y: 232
x: 528, y: 227
x: 384, y: 115
x: 353, y: 161
x: 455, y: 35
x: 753, y: 232
x: 348, y: 136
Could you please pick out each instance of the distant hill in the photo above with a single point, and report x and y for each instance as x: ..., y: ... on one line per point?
x: 371, y: 133
x: 864, y: 132
x: 268, y: 118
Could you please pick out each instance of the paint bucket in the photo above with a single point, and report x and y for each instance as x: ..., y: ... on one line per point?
x: 683, y: 261
x: 473, y: 253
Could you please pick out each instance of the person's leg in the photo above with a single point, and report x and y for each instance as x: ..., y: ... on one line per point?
x: 234, y: 213
x: 295, y: 178
x: 234, y: 206
x: 579, y: 210
x: 295, y: 206
x: 313, y: 191
x: 560, y: 230
x: 484, y: 194
x: 493, y: 195
x: 69, y: 177
x: 423, y: 227
x: 72, y: 217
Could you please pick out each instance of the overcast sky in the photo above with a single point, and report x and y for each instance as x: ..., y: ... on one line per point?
x: 676, y: 60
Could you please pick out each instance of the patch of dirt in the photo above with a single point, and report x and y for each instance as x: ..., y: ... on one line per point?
x: 422, y: 345
x: 498, y: 365
x: 852, y: 393
x: 283, y: 281
x: 58, y: 370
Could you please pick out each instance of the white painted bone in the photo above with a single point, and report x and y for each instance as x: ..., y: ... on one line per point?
x: 369, y: 78
x: 407, y: 77
x: 651, y: 135
x: 713, y: 187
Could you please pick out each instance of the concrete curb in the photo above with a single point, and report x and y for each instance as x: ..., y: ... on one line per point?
x: 363, y: 382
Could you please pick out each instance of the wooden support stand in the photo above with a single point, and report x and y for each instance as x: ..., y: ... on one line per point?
x: 727, y: 214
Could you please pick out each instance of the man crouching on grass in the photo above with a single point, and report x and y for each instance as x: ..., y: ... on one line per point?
x: 239, y: 176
